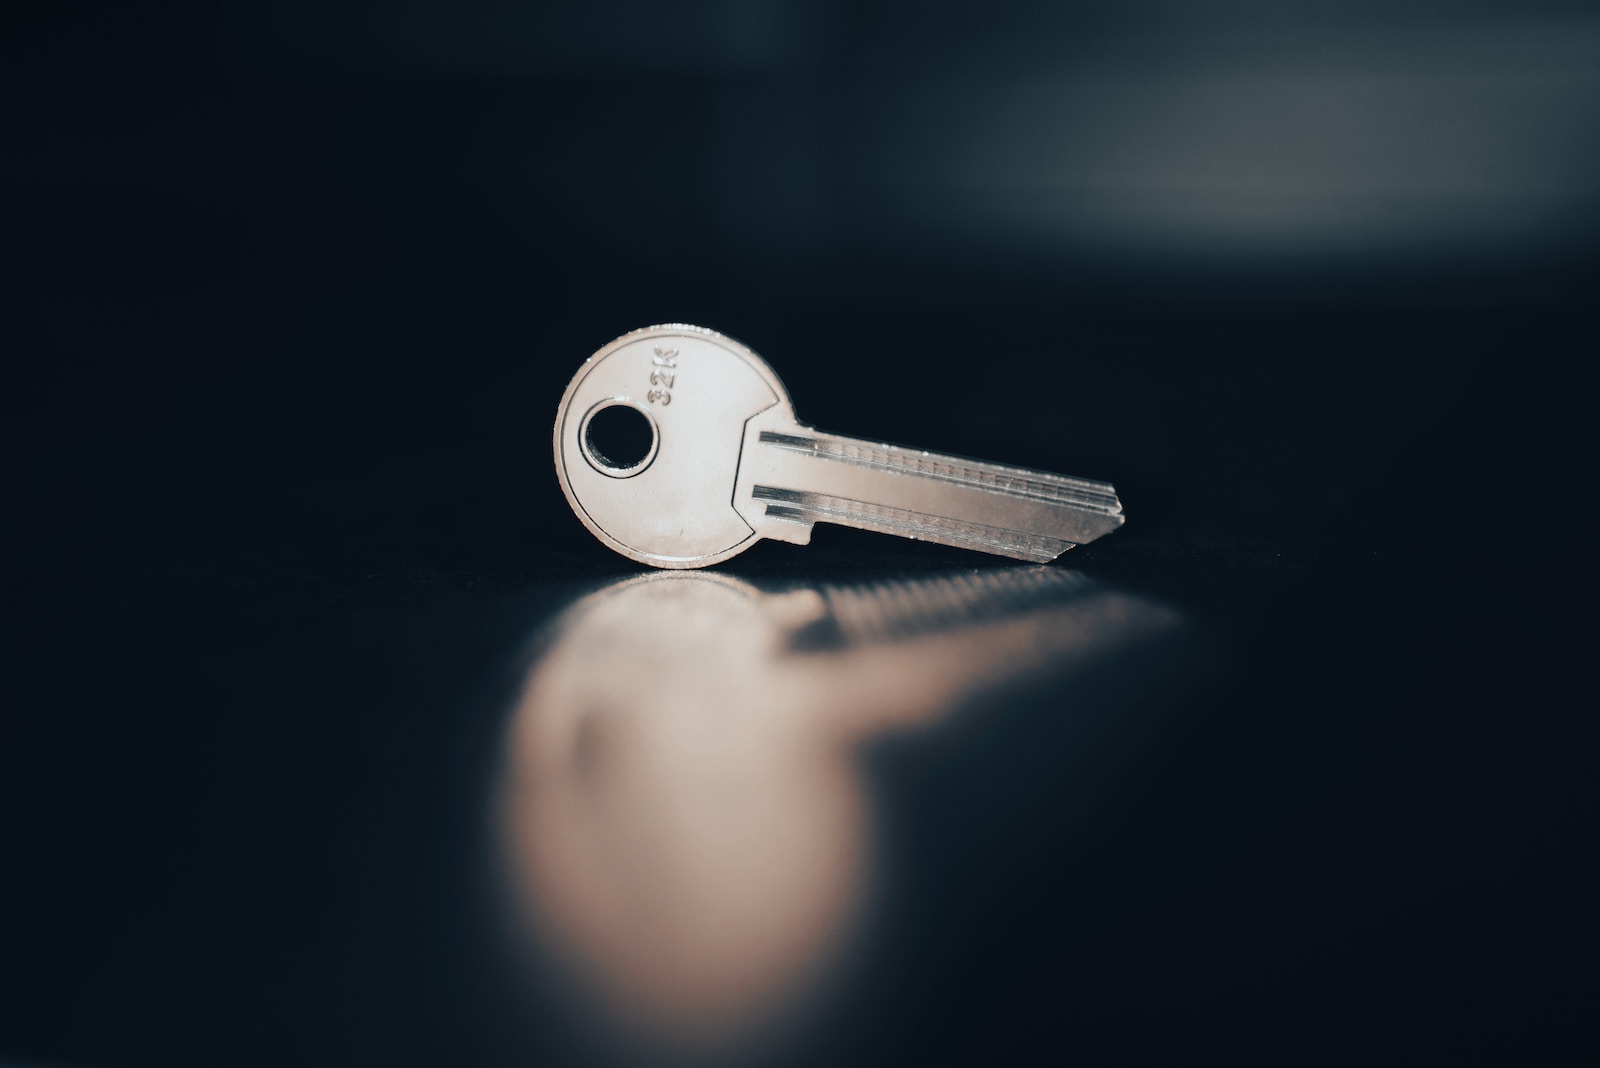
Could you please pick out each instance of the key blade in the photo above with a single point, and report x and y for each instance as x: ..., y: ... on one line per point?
x: 792, y: 477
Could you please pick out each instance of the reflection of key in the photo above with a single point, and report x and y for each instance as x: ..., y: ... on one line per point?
x: 678, y: 447
x: 684, y: 813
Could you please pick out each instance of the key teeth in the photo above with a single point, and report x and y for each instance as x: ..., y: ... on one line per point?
x: 794, y: 525
x: 804, y: 507
x: 1064, y: 550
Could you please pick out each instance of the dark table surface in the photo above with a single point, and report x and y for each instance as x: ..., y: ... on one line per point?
x: 1294, y: 768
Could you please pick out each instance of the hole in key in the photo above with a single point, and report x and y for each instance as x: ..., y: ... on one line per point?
x: 619, y: 437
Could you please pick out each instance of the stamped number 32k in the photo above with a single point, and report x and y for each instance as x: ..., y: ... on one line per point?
x: 666, y: 371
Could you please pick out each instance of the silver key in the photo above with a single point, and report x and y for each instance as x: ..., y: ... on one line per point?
x: 677, y: 447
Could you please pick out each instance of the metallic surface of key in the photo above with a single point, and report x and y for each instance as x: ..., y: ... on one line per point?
x: 716, y: 462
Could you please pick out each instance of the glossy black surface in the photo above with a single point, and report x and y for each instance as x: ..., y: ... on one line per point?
x: 286, y: 324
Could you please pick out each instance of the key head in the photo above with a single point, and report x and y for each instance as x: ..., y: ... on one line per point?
x: 647, y: 443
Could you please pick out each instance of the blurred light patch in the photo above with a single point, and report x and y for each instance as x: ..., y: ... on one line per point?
x: 1435, y: 138
x: 686, y: 829
x: 1158, y: 132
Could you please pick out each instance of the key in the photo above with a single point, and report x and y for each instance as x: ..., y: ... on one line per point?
x: 678, y: 447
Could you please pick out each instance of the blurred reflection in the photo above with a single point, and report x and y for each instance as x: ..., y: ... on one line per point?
x: 683, y: 820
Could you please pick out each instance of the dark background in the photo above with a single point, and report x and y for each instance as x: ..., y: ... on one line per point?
x: 291, y: 292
